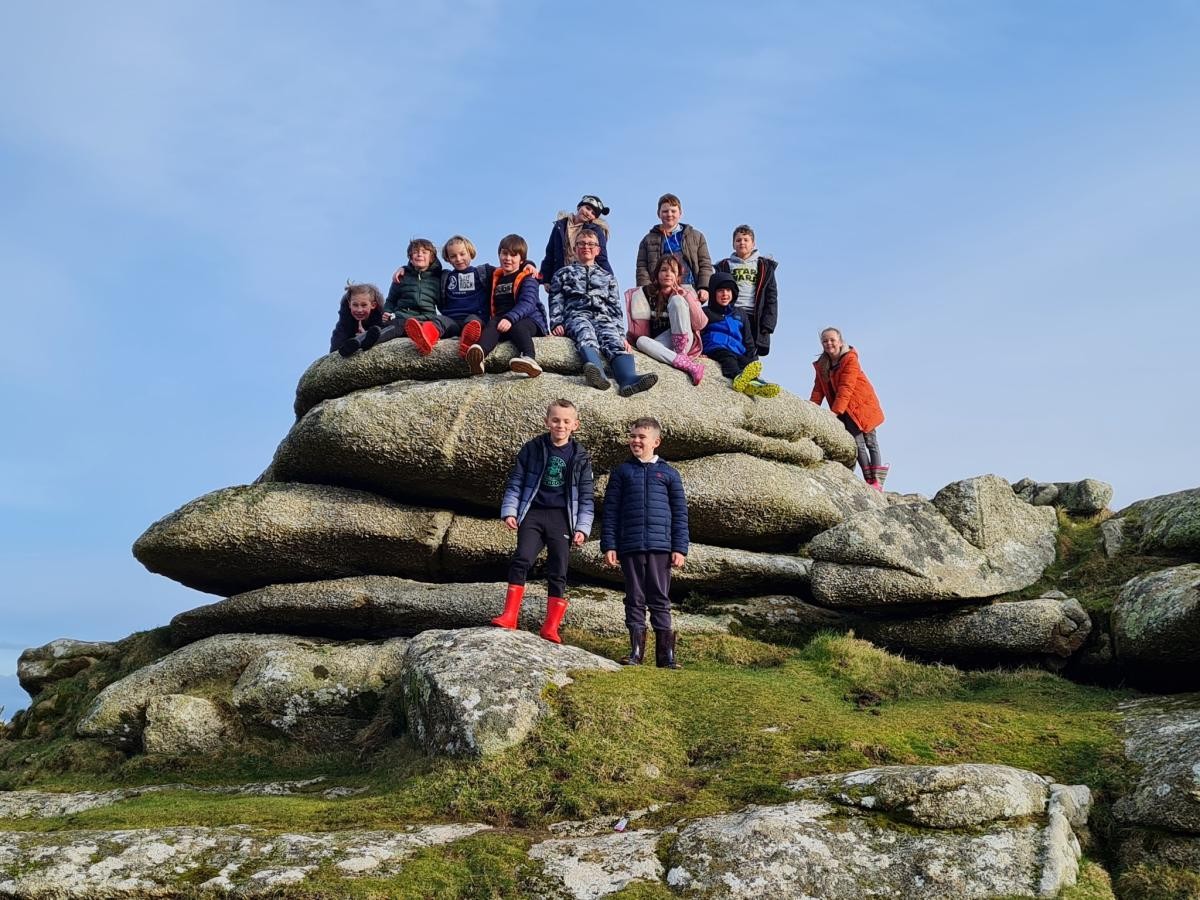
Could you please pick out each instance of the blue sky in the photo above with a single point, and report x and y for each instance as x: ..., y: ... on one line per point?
x: 997, y: 202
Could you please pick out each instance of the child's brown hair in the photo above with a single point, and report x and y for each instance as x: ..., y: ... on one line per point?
x: 514, y: 243
x: 669, y: 200
x: 743, y: 229
x: 353, y: 290
x: 422, y: 243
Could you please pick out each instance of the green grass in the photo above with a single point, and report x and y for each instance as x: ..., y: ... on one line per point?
x: 742, y: 719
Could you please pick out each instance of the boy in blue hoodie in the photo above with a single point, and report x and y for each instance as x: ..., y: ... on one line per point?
x: 548, y: 503
x: 728, y: 339
x: 646, y: 532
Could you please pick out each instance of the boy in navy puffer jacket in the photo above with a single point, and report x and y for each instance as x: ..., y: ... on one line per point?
x: 548, y: 503
x: 728, y: 339
x: 646, y: 530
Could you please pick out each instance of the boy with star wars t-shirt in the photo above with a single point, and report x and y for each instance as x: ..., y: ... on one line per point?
x: 548, y: 502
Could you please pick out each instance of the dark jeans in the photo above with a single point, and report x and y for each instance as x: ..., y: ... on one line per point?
x: 521, y: 334
x: 868, y: 445
x: 446, y: 326
x: 549, y: 528
x: 647, y: 584
x: 731, y: 363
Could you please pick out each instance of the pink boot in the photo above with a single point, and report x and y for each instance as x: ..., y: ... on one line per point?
x: 693, y: 367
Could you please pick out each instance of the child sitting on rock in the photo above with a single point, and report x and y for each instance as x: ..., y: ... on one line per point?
x: 359, y: 316
x: 585, y: 304
x: 728, y: 339
x: 646, y: 532
x: 548, y: 502
x: 412, y: 301
x: 515, y: 311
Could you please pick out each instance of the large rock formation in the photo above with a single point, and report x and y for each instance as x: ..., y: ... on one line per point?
x: 1168, y: 525
x: 976, y: 539
x: 1156, y: 622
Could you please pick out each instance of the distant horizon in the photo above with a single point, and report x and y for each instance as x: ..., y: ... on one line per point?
x: 997, y: 204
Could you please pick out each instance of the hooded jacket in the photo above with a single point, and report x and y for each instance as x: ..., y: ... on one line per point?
x: 526, y: 478
x: 417, y: 293
x: 694, y: 249
x: 556, y: 247
x: 347, y: 325
x: 526, y: 304
x: 728, y: 326
x: 766, y: 301
x: 844, y: 384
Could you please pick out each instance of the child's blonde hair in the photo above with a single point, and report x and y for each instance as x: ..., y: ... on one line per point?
x: 457, y: 239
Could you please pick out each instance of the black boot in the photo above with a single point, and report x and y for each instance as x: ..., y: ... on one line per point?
x: 637, y: 647
x: 664, y: 650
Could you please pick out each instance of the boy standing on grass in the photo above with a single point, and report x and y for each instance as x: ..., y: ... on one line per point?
x: 548, y: 503
x: 646, y: 532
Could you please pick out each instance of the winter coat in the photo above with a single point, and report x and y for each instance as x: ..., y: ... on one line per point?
x: 728, y: 326
x: 638, y: 307
x: 695, y: 254
x: 556, y: 247
x: 526, y: 478
x: 766, y: 301
x: 526, y: 302
x: 347, y: 325
x: 417, y: 293
x: 645, y: 510
x: 845, y: 386
x: 586, y: 302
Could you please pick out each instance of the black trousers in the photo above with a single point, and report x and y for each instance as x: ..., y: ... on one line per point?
x: 549, y: 528
x: 521, y: 334
x: 647, y: 584
x: 731, y: 363
x: 867, y: 443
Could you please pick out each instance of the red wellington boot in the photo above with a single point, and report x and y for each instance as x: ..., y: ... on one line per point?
x: 470, y: 335
x: 423, y: 334
x: 556, y: 607
x: 512, y: 607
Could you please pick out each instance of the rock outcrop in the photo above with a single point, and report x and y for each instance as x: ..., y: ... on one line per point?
x: 1078, y: 498
x: 40, y: 666
x: 920, y: 831
x: 1167, y: 525
x: 1156, y: 622
x: 477, y: 691
x: 974, y: 540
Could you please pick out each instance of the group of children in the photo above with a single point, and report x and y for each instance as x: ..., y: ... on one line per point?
x: 548, y: 502
x: 682, y: 307
x: 663, y: 317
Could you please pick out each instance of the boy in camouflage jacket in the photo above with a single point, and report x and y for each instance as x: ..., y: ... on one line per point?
x: 585, y: 305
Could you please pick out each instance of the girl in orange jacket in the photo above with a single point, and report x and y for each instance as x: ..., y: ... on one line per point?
x: 841, y: 381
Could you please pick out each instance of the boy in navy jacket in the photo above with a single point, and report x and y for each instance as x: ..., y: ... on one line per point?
x: 646, y: 530
x: 548, y: 503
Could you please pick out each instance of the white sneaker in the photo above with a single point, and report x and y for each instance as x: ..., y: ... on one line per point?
x: 525, y: 366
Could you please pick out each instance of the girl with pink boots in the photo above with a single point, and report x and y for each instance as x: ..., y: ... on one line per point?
x: 841, y: 381
x: 666, y: 318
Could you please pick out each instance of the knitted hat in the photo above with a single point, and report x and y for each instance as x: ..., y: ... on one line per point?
x: 594, y: 202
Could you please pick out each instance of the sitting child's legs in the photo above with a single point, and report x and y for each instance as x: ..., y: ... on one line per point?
x: 730, y: 362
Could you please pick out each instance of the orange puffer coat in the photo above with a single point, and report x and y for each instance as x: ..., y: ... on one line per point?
x: 845, y: 386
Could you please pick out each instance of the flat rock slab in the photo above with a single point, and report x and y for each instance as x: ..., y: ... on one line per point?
x: 1168, y: 525
x: 164, y: 862
x: 1156, y: 622
x: 433, y: 441
x: 586, y: 868
x: 1011, y: 630
x: 478, y: 691
x: 975, y: 540
x: 893, y: 831
x: 374, y: 606
x: 242, y: 538
x: 52, y: 804
x: 1162, y: 736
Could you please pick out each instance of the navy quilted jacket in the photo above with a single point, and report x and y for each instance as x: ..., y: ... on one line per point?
x: 645, y: 510
x: 526, y: 477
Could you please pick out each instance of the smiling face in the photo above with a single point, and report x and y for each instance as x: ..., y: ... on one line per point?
x: 723, y: 296
x: 668, y: 280
x: 743, y: 245
x: 587, y: 248
x: 586, y: 213
x: 831, y: 342
x: 668, y: 214
x: 361, y: 306
x: 643, y: 442
x: 421, y: 257
x: 458, y: 256
x: 561, y: 423
x: 509, y: 261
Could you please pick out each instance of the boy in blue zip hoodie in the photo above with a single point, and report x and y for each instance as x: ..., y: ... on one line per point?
x: 548, y: 503
x: 646, y: 532
x: 728, y: 339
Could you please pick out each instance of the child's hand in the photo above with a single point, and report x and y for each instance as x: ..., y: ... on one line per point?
x: 387, y: 317
x: 558, y: 331
x: 579, y: 538
x: 677, y: 560
x: 397, y: 275
x: 511, y: 522
x: 610, y: 558
x: 503, y: 325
